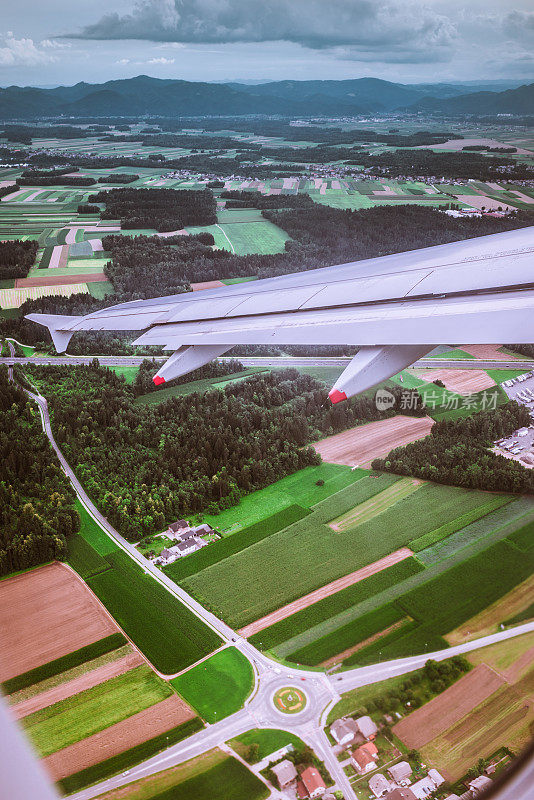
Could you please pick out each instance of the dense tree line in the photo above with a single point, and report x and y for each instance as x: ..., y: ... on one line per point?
x: 61, y: 180
x: 36, y: 500
x: 143, y: 383
x: 147, y: 465
x: 46, y: 173
x: 162, y: 209
x: 118, y: 177
x: 457, y: 452
x: 523, y: 349
x: 5, y: 190
x: 446, y: 165
x: 188, y: 141
x: 16, y: 258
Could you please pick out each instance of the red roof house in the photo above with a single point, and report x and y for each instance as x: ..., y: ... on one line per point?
x: 313, y: 783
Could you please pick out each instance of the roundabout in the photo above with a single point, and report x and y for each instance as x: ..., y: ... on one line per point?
x: 289, y: 700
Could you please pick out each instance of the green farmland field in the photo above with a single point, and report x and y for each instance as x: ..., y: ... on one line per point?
x: 166, y: 631
x: 88, y: 712
x: 218, y: 686
x: 300, y: 488
x: 328, y: 607
x: 93, y: 533
x: 269, y: 740
x: 450, y: 599
x: 224, y: 548
x: 309, y: 554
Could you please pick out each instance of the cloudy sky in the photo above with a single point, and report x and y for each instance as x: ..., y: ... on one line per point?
x: 65, y: 41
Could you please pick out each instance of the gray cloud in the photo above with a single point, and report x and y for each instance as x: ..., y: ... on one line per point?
x: 362, y: 28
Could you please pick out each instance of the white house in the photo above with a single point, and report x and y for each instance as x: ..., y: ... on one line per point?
x: 379, y: 784
x: 344, y: 730
x: 401, y: 772
x: 285, y: 773
x: 423, y: 788
x: 367, y: 727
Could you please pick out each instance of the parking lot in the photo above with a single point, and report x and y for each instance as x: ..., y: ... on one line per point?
x: 520, y: 446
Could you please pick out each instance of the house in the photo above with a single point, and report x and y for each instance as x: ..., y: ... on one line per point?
x: 174, y: 527
x: 480, y: 784
x: 367, y: 727
x: 401, y: 772
x: 202, y: 529
x: 364, y: 759
x: 401, y: 793
x: 452, y: 797
x: 312, y: 781
x: 379, y: 784
x: 285, y: 772
x: 344, y: 730
x: 423, y: 788
x: 435, y: 777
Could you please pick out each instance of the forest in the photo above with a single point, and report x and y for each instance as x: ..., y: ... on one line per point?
x: 162, y: 209
x: 457, y: 453
x: 36, y: 500
x: 16, y: 258
x: 147, y: 465
x: 57, y: 180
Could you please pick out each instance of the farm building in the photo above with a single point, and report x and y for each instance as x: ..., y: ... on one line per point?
x: 401, y: 772
x: 344, y: 730
x: 379, y: 784
x: 436, y: 777
x: 285, y: 772
x: 364, y: 758
x: 367, y: 727
x: 312, y: 783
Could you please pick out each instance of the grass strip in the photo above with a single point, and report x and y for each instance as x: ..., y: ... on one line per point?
x: 64, y: 663
x: 335, y: 604
x: 347, y: 636
x: 430, y: 538
x: 88, y: 712
x: 84, y: 558
x: 122, y: 761
x: 223, y: 548
x: 169, y: 634
x: 523, y: 538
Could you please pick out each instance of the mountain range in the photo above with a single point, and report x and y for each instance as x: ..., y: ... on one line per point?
x: 144, y: 95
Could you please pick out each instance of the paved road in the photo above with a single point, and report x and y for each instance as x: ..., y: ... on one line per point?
x: 278, y: 361
x: 321, y: 691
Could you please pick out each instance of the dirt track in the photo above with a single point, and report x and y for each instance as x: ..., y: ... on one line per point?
x: 423, y: 725
x: 59, y: 280
x: 198, y: 287
x: 77, y: 685
x: 462, y: 381
x: 47, y: 613
x: 125, y: 734
x: 359, y: 446
x: 325, y: 591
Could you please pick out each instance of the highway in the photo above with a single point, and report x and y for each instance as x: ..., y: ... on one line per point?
x: 270, y: 361
x: 321, y: 691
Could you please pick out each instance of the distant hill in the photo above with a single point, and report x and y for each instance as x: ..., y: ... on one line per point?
x: 145, y: 95
x: 511, y: 101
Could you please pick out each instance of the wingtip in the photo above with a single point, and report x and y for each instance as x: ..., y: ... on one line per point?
x: 158, y: 380
x: 336, y: 396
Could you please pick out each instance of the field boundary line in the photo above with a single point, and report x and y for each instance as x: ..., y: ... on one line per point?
x: 326, y: 591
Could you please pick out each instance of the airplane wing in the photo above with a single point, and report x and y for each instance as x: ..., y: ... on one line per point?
x: 396, y: 308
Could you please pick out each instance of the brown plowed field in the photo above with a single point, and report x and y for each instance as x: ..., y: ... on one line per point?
x: 117, y: 738
x: 87, y: 681
x: 488, y: 351
x: 462, y: 381
x: 198, y: 287
x: 448, y: 708
x: 47, y: 613
x: 358, y: 446
x: 59, y: 280
x: 325, y: 591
